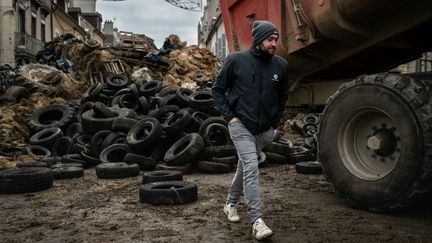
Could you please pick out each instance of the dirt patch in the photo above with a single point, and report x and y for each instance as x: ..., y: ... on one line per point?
x: 298, y: 208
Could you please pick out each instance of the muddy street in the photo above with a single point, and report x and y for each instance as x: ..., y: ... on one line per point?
x: 300, y: 208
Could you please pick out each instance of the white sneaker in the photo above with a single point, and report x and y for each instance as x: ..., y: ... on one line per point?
x: 260, y: 230
x: 231, y: 211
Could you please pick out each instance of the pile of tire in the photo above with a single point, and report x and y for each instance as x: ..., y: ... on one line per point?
x: 304, y: 157
x: 7, y: 76
x: 123, y: 127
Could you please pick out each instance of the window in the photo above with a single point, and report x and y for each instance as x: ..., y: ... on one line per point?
x: 43, y: 28
x: 33, y: 24
x: 21, y: 20
x: 223, y: 48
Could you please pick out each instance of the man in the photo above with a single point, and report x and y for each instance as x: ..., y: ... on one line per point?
x: 256, y: 84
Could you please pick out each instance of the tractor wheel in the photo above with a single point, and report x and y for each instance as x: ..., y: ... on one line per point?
x: 374, y: 141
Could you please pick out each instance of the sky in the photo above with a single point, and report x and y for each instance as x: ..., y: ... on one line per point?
x: 155, y: 18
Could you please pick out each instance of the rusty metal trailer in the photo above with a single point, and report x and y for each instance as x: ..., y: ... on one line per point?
x: 375, y: 134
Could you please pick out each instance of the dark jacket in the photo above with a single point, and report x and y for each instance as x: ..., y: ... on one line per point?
x: 257, y: 86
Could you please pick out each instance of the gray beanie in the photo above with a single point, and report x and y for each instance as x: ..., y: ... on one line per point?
x: 261, y: 30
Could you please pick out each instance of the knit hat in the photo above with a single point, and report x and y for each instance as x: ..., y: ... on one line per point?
x: 261, y: 30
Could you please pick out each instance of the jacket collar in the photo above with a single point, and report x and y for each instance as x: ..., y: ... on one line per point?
x: 260, y: 54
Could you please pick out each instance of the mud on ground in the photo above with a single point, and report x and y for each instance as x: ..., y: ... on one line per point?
x: 299, y: 208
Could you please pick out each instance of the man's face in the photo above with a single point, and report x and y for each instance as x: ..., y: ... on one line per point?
x: 269, y: 44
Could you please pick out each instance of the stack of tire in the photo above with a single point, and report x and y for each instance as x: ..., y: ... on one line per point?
x: 305, y: 157
x: 123, y: 127
x: 166, y: 187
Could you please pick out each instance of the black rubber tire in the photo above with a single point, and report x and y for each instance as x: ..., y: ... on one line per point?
x: 309, y: 129
x: 185, y: 169
x: 100, y: 110
x: 123, y: 124
x: 93, y: 92
x: 90, y: 160
x: 73, y: 129
x: 170, y: 89
x: 212, y: 167
x: 311, y: 118
x: 50, y: 116
x: 46, y: 137
x: 162, y: 175
x: 26, y: 179
x: 408, y: 104
x: 144, y: 105
x: 62, y: 146
x: 176, y: 123
x: 137, y: 139
x: 182, y: 96
x: 116, y: 170
x: 159, y: 113
x: 186, y: 150
x: 38, y: 150
x: 150, y: 88
x: 84, y: 107
x: 201, y: 100
x: 129, y: 101
x: 197, y: 119
x: 209, y: 121
x: 134, y: 89
x: 114, y: 153
x: 64, y: 165
x: 301, y: 154
x: 229, y: 160
x: 32, y: 164
x: 144, y: 162
x: 216, y: 134
x: 158, y: 102
x: 219, y: 151
x: 96, y: 143
x: 68, y: 172
x: 168, y: 192
x: 309, y: 167
x: 278, y: 148
x: 74, y: 159
x: 274, y: 158
x: 92, y: 124
x: 117, y: 81
x: 50, y: 160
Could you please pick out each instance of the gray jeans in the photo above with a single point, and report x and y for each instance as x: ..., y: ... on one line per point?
x: 246, y: 178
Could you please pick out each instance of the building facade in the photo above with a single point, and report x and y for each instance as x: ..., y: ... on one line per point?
x: 26, y: 25
x: 211, y: 31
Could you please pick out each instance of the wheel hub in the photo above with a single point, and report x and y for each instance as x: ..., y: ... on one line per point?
x: 383, y: 142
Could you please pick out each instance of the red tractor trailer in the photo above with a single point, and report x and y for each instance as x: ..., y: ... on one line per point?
x: 375, y: 133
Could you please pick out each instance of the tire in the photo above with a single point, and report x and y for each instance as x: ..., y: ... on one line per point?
x: 309, y: 167
x: 129, y: 101
x: 201, y: 100
x: 185, y: 169
x: 38, y: 151
x: 170, y: 89
x: 62, y: 146
x: 176, y: 123
x: 311, y: 118
x: 26, y: 179
x: 197, y: 119
x: 182, y: 96
x: 17, y: 92
x: 168, y: 192
x: 385, y: 119
x: 274, y: 158
x: 230, y: 160
x: 150, y: 88
x: 301, y: 154
x: 114, y: 153
x: 278, y: 148
x: 209, y: 121
x: 212, y: 167
x: 75, y: 159
x: 93, y: 92
x: 68, y: 172
x: 92, y: 124
x: 216, y: 134
x: 50, y: 116
x: 90, y: 160
x: 73, y: 129
x: 97, y: 141
x: 46, y: 137
x: 145, y: 163
x: 100, y: 110
x: 186, y: 150
x: 116, y: 170
x: 137, y: 138
x: 84, y: 107
x: 220, y: 151
x: 123, y: 124
x: 32, y: 164
x: 162, y: 175
x: 117, y: 81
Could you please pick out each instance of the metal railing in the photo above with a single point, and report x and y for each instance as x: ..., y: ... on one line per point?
x: 26, y: 43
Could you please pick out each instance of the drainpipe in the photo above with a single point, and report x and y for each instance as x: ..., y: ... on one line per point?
x: 52, y: 20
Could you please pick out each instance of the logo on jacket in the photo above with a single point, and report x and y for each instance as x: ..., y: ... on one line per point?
x: 275, y: 77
